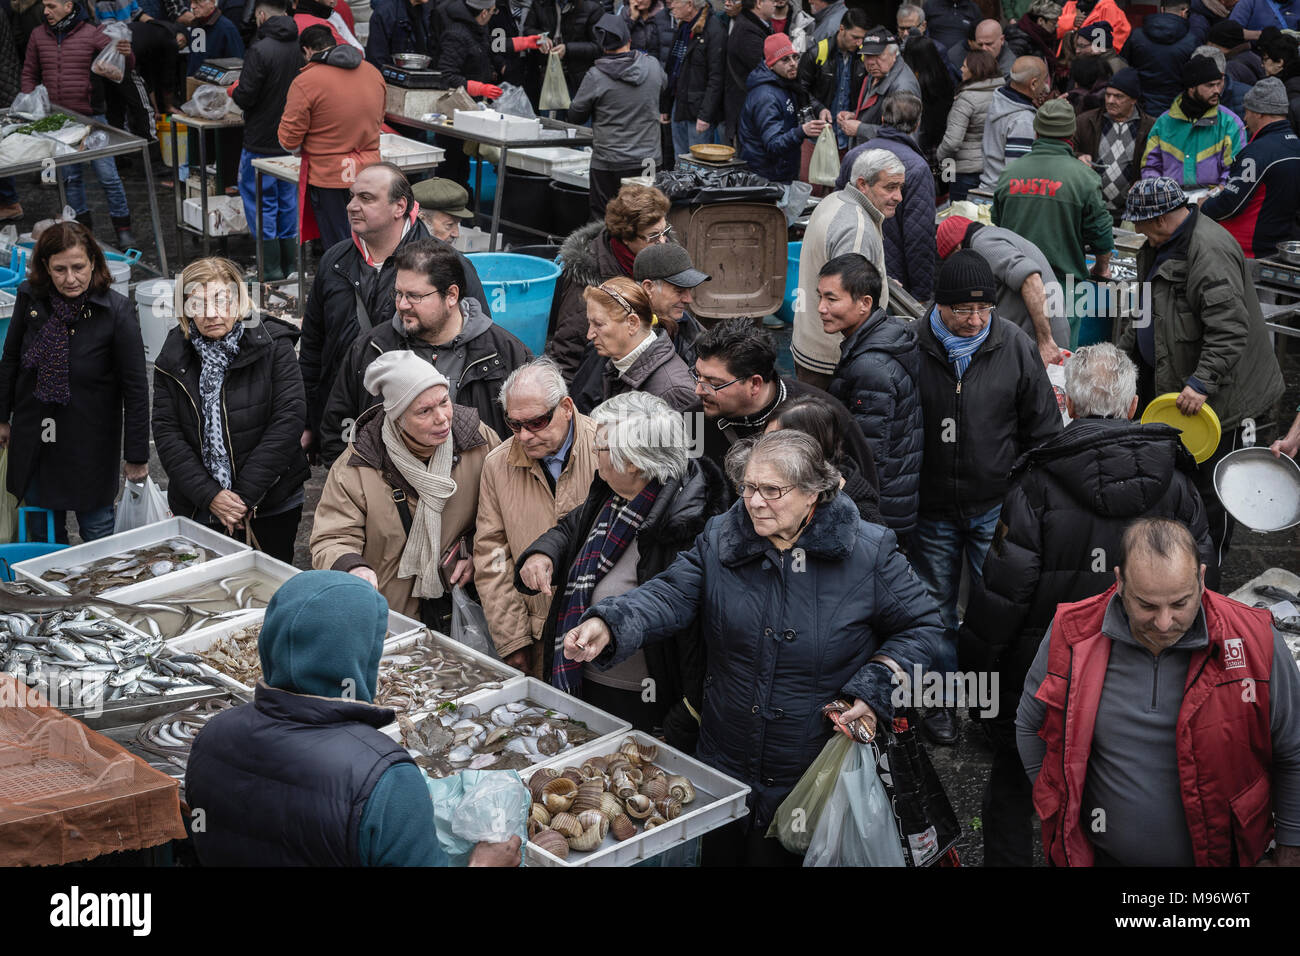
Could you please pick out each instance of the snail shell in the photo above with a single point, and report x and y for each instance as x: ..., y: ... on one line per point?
x: 589, y: 793
x: 631, y: 750
x: 652, y: 772
x: 655, y: 821
x: 656, y: 788
x: 592, y: 818
x: 670, y: 807
x: 539, y: 779
x: 572, y: 773
x: 593, y: 767
x: 647, y: 752
x: 592, y: 836
x: 567, y: 825
x: 639, y: 806
x: 558, y: 794
x: 681, y: 788
x: 552, y: 842
x: 622, y: 827
x: 610, y: 805
x: 623, y: 786
x: 534, y: 828
x: 540, y: 815
x: 617, y: 764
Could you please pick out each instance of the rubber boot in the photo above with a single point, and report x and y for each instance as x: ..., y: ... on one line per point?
x: 122, y: 226
x: 289, y: 255
x: 272, y: 269
x: 87, y: 220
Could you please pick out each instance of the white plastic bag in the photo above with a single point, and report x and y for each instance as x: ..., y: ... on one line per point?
x: 857, y: 824
x: 111, y: 64
x: 142, y: 503
x: 34, y: 105
x: 514, y: 101
x: 501, y: 808
x: 25, y: 148
x: 469, y: 624
x: 209, y: 102
x: 555, y: 90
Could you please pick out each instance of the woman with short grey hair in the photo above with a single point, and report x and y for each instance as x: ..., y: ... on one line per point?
x: 800, y: 603
x: 647, y: 504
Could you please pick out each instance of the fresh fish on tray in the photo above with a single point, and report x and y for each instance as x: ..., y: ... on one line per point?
x: 130, y: 567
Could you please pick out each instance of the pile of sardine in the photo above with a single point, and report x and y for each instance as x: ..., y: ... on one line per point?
x: 508, y: 737
x: 130, y: 567
x: 79, y: 661
x: 430, y: 673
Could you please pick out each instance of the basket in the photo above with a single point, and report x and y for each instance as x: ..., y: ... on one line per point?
x: 712, y: 152
x: 49, y: 756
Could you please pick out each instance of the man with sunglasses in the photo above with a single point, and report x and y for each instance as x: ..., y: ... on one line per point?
x: 777, y: 115
x: 450, y: 332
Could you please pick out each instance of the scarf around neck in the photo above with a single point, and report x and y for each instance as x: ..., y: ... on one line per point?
x: 66, y: 24
x: 434, y: 485
x: 215, y: 356
x: 49, y: 354
x: 960, y: 349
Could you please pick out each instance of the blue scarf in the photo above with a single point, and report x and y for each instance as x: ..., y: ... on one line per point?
x: 960, y: 349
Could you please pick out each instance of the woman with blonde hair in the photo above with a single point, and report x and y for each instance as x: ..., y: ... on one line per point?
x: 228, y: 411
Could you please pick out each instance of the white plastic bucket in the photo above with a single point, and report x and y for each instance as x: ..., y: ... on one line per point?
x: 156, y: 308
x: 120, y: 270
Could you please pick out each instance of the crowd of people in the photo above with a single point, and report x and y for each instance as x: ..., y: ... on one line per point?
x: 655, y: 518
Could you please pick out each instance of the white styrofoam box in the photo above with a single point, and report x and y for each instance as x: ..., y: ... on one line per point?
x: 194, y: 183
x: 472, y: 239
x: 7, y: 300
x: 422, y: 636
x: 31, y: 570
x: 405, y: 153
x: 547, y: 159
x: 719, y: 799
x: 225, y: 215
x: 497, y: 125
x: 190, y: 579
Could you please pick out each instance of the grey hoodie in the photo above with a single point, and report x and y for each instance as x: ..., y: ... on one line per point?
x: 1008, y: 133
x: 450, y: 357
x: 621, y: 95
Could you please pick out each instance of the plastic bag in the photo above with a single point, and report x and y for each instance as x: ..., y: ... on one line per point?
x: 111, y: 64
x: 209, y: 102
x: 24, y: 148
x: 824, y: 167
x: 448, y: 793
x: 794, y: 201
x: 800, y: 812
x: 555, y: 92
x: 34, y: 105
x: 857, y: 825
x: 514, y: 101
x: 142, y: 503
x: 8, y: 503
x: 494, y: 810
x: 469, y: 624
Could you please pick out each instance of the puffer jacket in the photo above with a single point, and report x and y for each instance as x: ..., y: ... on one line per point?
x: 770, y: 134
x: 977, y: 429
x: 585, y: 259
x: 1157, y: 50
x: 62, y: 63
x: 357, y: 523
x: 744, y: 54
x: 465, y: 48
x: 1194, y: 153
x: 964, y: 139
x: 784, y: 633
x: 644, y: 32
x: 681, y: 511
x: 515, y: 506
x: 264, y: 411
x: 574, y: 25
x: 700, y: 80
x: 909, y: 233
x: 270, y: 66
x: 658, y: 371
x: 1058, y: 539
x: 1208, y: 325
x: 1107, y: 10
x: 876, y: 381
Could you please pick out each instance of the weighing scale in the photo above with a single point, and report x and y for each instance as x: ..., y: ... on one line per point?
x: 222, y: 71
x: 413, y: 79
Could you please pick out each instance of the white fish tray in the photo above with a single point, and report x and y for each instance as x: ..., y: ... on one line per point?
x: 401, y: 151
x: 719, y: 800
x: 610, y: 728
x: 32, y: 569
x: 547, y: 159
x: 423, y: 635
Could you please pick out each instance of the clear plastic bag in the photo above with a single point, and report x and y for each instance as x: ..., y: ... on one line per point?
x: 514, y: 101
x: 469, y: 624
x: 503, y: 808
x: 111, y: 64
x: 824, y: 167
x: 34, y: 105
x: 800, y: 812
x: 142, y: 503
x: 857, y: 825
x: 209, y: 102
x: 555, y: 91
x: 794, y: 201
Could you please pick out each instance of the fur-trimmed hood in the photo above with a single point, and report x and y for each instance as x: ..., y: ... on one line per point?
x: 585, y: 256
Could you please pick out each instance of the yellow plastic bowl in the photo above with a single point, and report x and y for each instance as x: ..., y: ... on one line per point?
x: 1200, y: 432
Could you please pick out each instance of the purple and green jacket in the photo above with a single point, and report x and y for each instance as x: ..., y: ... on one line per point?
x: 1194, y: 153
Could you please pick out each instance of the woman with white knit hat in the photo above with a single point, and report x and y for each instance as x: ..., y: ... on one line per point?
x: 399, y: 505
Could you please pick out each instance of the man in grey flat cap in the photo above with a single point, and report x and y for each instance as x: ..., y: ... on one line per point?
x: 668, y: 276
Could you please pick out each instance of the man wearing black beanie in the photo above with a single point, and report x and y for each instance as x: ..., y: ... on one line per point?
x: 1112, y: 139
x: 1194, y: 142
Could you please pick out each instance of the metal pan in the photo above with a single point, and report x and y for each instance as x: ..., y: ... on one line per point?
x: 1260, y: 491
x: 1289, y: 252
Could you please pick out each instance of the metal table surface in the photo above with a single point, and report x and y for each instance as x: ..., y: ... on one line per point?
x: 120, y: 143
x: 229, y: 121
x: 580, y: 136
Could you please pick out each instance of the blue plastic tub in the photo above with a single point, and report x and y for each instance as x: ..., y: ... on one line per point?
x: 786, y: 312
x: 519, y: 291
x: 489, y: 183
x: 11, y: 554
x: 17, y: 270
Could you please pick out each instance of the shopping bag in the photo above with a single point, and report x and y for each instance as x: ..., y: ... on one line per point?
x: 478, y: 802
x: 209, y: 102
x: 142, y: 503
x: 927, y: 825
x: 555, y: 92
x: 8, y: 503
x: 824, y: 167
x: 110, y: 64
x: 801, y: 811
x: 469, y: 624
x: 513, y: 101
x: 34, y: 105
x: 856, y: 827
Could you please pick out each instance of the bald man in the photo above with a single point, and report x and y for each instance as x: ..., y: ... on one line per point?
x: 987, y: 36
x: 1009, y: 128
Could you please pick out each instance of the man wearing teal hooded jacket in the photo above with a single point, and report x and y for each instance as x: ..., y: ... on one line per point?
x: 302, y: 776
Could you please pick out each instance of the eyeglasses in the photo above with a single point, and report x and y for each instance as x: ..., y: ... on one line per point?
x: 414, y: 299
x: 531, y: 424
x: 709, y: 385
x: 659, y: 236
x: 978, y: 310
x: 766, y: 492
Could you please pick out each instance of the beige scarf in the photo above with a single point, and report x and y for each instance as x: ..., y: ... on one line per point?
x: 433, y: 483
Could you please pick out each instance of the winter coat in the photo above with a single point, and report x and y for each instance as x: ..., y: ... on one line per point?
x: 1293, y: 100
x: 817, y: 69
x: 575, y: 27
x: 658, y: 371
x: 515, y: 506
x: 827, y: 22
x: 681, y: 511
x: 1193, y: 153
x: 957, y: 56
x: 11, y: 67
x: 700, y: 79
x: 876, y: 381
x: 783, y: 637
x: 909, y: 234
x: 976, y: 429
x: 270, y: 66
x: 1261, y: 14
x: 799, y: 27
x: 1092, y: 123
x: 964, y: 139
x: 1054, y: 201
x: 263, y: 413
x: 220, y: 40
x: 1208, y: 325
x: 79, y: 470
x: 332, y: 114
x: 645, y: 31
x: 490, y: 356
x: 1008, y: 132
x: 744, y: 55
x: 770, y: 133
x: 1058, y: 538
x: 900, y: 78
x: 62, y: 63
x: 465, y: 48
x: 1026, y: 38
x: 398, y: 26
x: 357, y: 523
x: 1260, y: 204
x: 949, y: 21
x: 1157, y: 50
x: 620, y: 94
x: 585, y: 259
x: 1107, y: 10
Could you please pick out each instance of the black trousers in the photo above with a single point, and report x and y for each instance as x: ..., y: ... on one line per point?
x: 605, y: 184
x: 743, y: 844
x: 275, y: 534
x: 645, y: 717
x: 1008, y: 799
x: 331, y: 209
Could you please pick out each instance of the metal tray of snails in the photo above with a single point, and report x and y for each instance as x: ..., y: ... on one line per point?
x: 513, y: 728
x: 620, y: 810
x: 121, y: 546
x: 425, y: 668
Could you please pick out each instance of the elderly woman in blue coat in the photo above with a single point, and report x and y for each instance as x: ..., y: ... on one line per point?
x: 800, y: 602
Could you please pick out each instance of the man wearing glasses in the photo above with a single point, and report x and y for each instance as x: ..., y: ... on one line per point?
x: 450, y: 332
x: 986, y: 401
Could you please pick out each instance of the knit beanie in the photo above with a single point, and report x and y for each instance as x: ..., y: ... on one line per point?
x: 1198, y: 70
x: 775, y: 47
x: 1268, y: 97
x: 965, y: 276
x: 1127, y: 81
x: 400, y: 377
x: 1055, y: 119
x: 951, y: 234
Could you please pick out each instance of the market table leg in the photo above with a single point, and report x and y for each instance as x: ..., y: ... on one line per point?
x: 496, y: 202
x: 257, y: 195
x: 176, y: 190
x: 203, y: 193
x: 153, y: 209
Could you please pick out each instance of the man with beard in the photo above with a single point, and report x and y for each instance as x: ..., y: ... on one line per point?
x: 772, y: 122
x: 1194, y: 142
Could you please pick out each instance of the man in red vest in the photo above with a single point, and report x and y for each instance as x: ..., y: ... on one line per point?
x: 1159, y: 720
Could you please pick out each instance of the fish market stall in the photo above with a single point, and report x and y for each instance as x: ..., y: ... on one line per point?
x: 68, y: 793
x: 425, y: 668
x: 618, y: 804
x: 1279, y: 591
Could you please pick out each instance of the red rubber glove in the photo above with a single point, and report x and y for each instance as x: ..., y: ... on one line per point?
x: 230, y: 90
x: 525, y: 43
x: 485, y: 90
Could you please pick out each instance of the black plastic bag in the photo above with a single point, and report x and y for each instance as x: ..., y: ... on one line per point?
x: 927, y: 824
